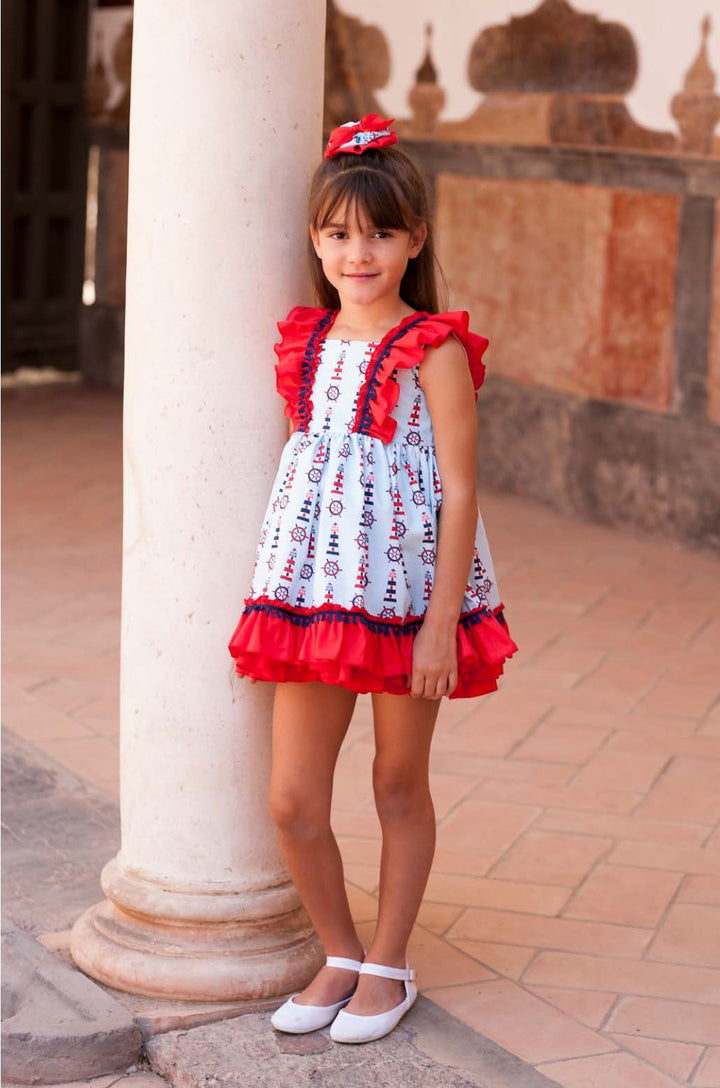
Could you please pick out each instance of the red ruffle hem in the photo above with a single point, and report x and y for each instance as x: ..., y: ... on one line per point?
x: 359, y: 652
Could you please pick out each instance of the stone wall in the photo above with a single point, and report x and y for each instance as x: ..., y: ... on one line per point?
x: 714, y: 356
x: 595, y: 276
x: 574, y: 283
x: 587, y: 248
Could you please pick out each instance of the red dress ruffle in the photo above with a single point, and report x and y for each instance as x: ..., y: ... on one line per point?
x: 360, y: 652
x: 404, y: 347
x: 296, y: 332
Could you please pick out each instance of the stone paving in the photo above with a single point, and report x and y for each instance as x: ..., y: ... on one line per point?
x: 573, y: 913
x: 58, y: 831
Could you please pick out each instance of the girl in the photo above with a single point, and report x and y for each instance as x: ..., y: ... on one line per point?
x: 360, y: 585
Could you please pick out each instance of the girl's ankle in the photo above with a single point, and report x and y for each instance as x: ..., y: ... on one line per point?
x: 388, y: 959
x: 357, y: 954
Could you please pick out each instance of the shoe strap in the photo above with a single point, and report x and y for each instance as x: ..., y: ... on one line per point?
x: 401, y: 974
x: 342, y: 963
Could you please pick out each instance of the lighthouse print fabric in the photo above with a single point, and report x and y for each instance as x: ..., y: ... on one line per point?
x: 346, y: 555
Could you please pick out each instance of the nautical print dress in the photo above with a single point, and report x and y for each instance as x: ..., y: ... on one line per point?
x: 347, y: 551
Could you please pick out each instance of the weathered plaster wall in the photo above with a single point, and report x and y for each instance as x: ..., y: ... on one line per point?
x: 714, y: 362
x: 578, y: 224
x: 596, y: 276
x: 574, y: 285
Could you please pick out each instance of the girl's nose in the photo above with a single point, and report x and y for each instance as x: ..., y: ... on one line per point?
x: 359, y: 251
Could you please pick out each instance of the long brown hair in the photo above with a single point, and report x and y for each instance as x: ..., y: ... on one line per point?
x: 386, y: 186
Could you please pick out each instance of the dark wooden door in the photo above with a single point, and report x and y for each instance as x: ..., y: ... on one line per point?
x: 44, y: 180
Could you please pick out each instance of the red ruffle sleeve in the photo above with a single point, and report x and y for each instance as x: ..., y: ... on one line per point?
x: 404, y: 347
x: 296, y: 332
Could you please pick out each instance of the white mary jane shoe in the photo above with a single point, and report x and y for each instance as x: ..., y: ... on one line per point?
x: 299, y: 1019
x: 347, y: 1027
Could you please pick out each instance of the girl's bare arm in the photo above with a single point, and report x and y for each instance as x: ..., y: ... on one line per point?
x: 445, y: 380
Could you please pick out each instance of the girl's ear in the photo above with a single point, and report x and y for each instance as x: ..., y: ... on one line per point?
x: 417, y: 239
x: 315, y: 238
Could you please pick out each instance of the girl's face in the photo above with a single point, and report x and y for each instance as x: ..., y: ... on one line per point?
x: 363, y: 262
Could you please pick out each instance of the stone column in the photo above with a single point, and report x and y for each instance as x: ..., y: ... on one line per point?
x: 225, y: 128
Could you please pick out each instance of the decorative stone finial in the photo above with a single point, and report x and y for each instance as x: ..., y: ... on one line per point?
x: 697, y: 108
x: 700, y: 78
x: 426, y: 97
x: 426, y: 73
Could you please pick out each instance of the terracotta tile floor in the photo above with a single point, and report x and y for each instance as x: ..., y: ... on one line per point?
x: 573, y: 914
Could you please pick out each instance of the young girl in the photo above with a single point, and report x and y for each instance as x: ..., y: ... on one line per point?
x: 361, y: 584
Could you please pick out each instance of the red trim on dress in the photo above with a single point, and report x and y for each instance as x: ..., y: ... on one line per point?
x: 407, y: 351
x: 378, y: 397
x: 295, y: 334
x: 337, y: 647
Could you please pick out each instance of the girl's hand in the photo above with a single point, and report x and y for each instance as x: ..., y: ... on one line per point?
x: 250, y: 679
x: 434, y: 661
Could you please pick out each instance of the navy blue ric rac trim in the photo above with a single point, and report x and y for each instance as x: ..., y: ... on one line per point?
x: 307, y: 370
x: 374, y: 379
x: 375, y: 626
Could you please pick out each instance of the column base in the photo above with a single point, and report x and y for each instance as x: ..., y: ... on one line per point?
x: 241, y: 958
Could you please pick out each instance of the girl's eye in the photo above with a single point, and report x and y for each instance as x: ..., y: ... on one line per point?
x: 383, y: 234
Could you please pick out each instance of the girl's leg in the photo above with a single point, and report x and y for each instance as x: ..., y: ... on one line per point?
x: 403, y: 734
x: 309, y: 724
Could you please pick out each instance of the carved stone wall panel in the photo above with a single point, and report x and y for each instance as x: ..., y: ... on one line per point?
x: 714, y: 357
x: 554, y: 48
x: 555, y: 76
x: 504, y: 118
x: 638, y: 303
x: 573, y: 285
x: 528, y: 260
x: 602, y: 122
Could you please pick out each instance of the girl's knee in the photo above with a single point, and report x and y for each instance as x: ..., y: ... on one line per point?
x: 296, y: 814
x: 399, y: 794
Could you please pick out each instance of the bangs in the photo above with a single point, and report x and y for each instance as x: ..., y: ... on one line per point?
x: 367, y: 193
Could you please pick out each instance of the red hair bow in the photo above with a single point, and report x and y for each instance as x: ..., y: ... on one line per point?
x: 354, y: 137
